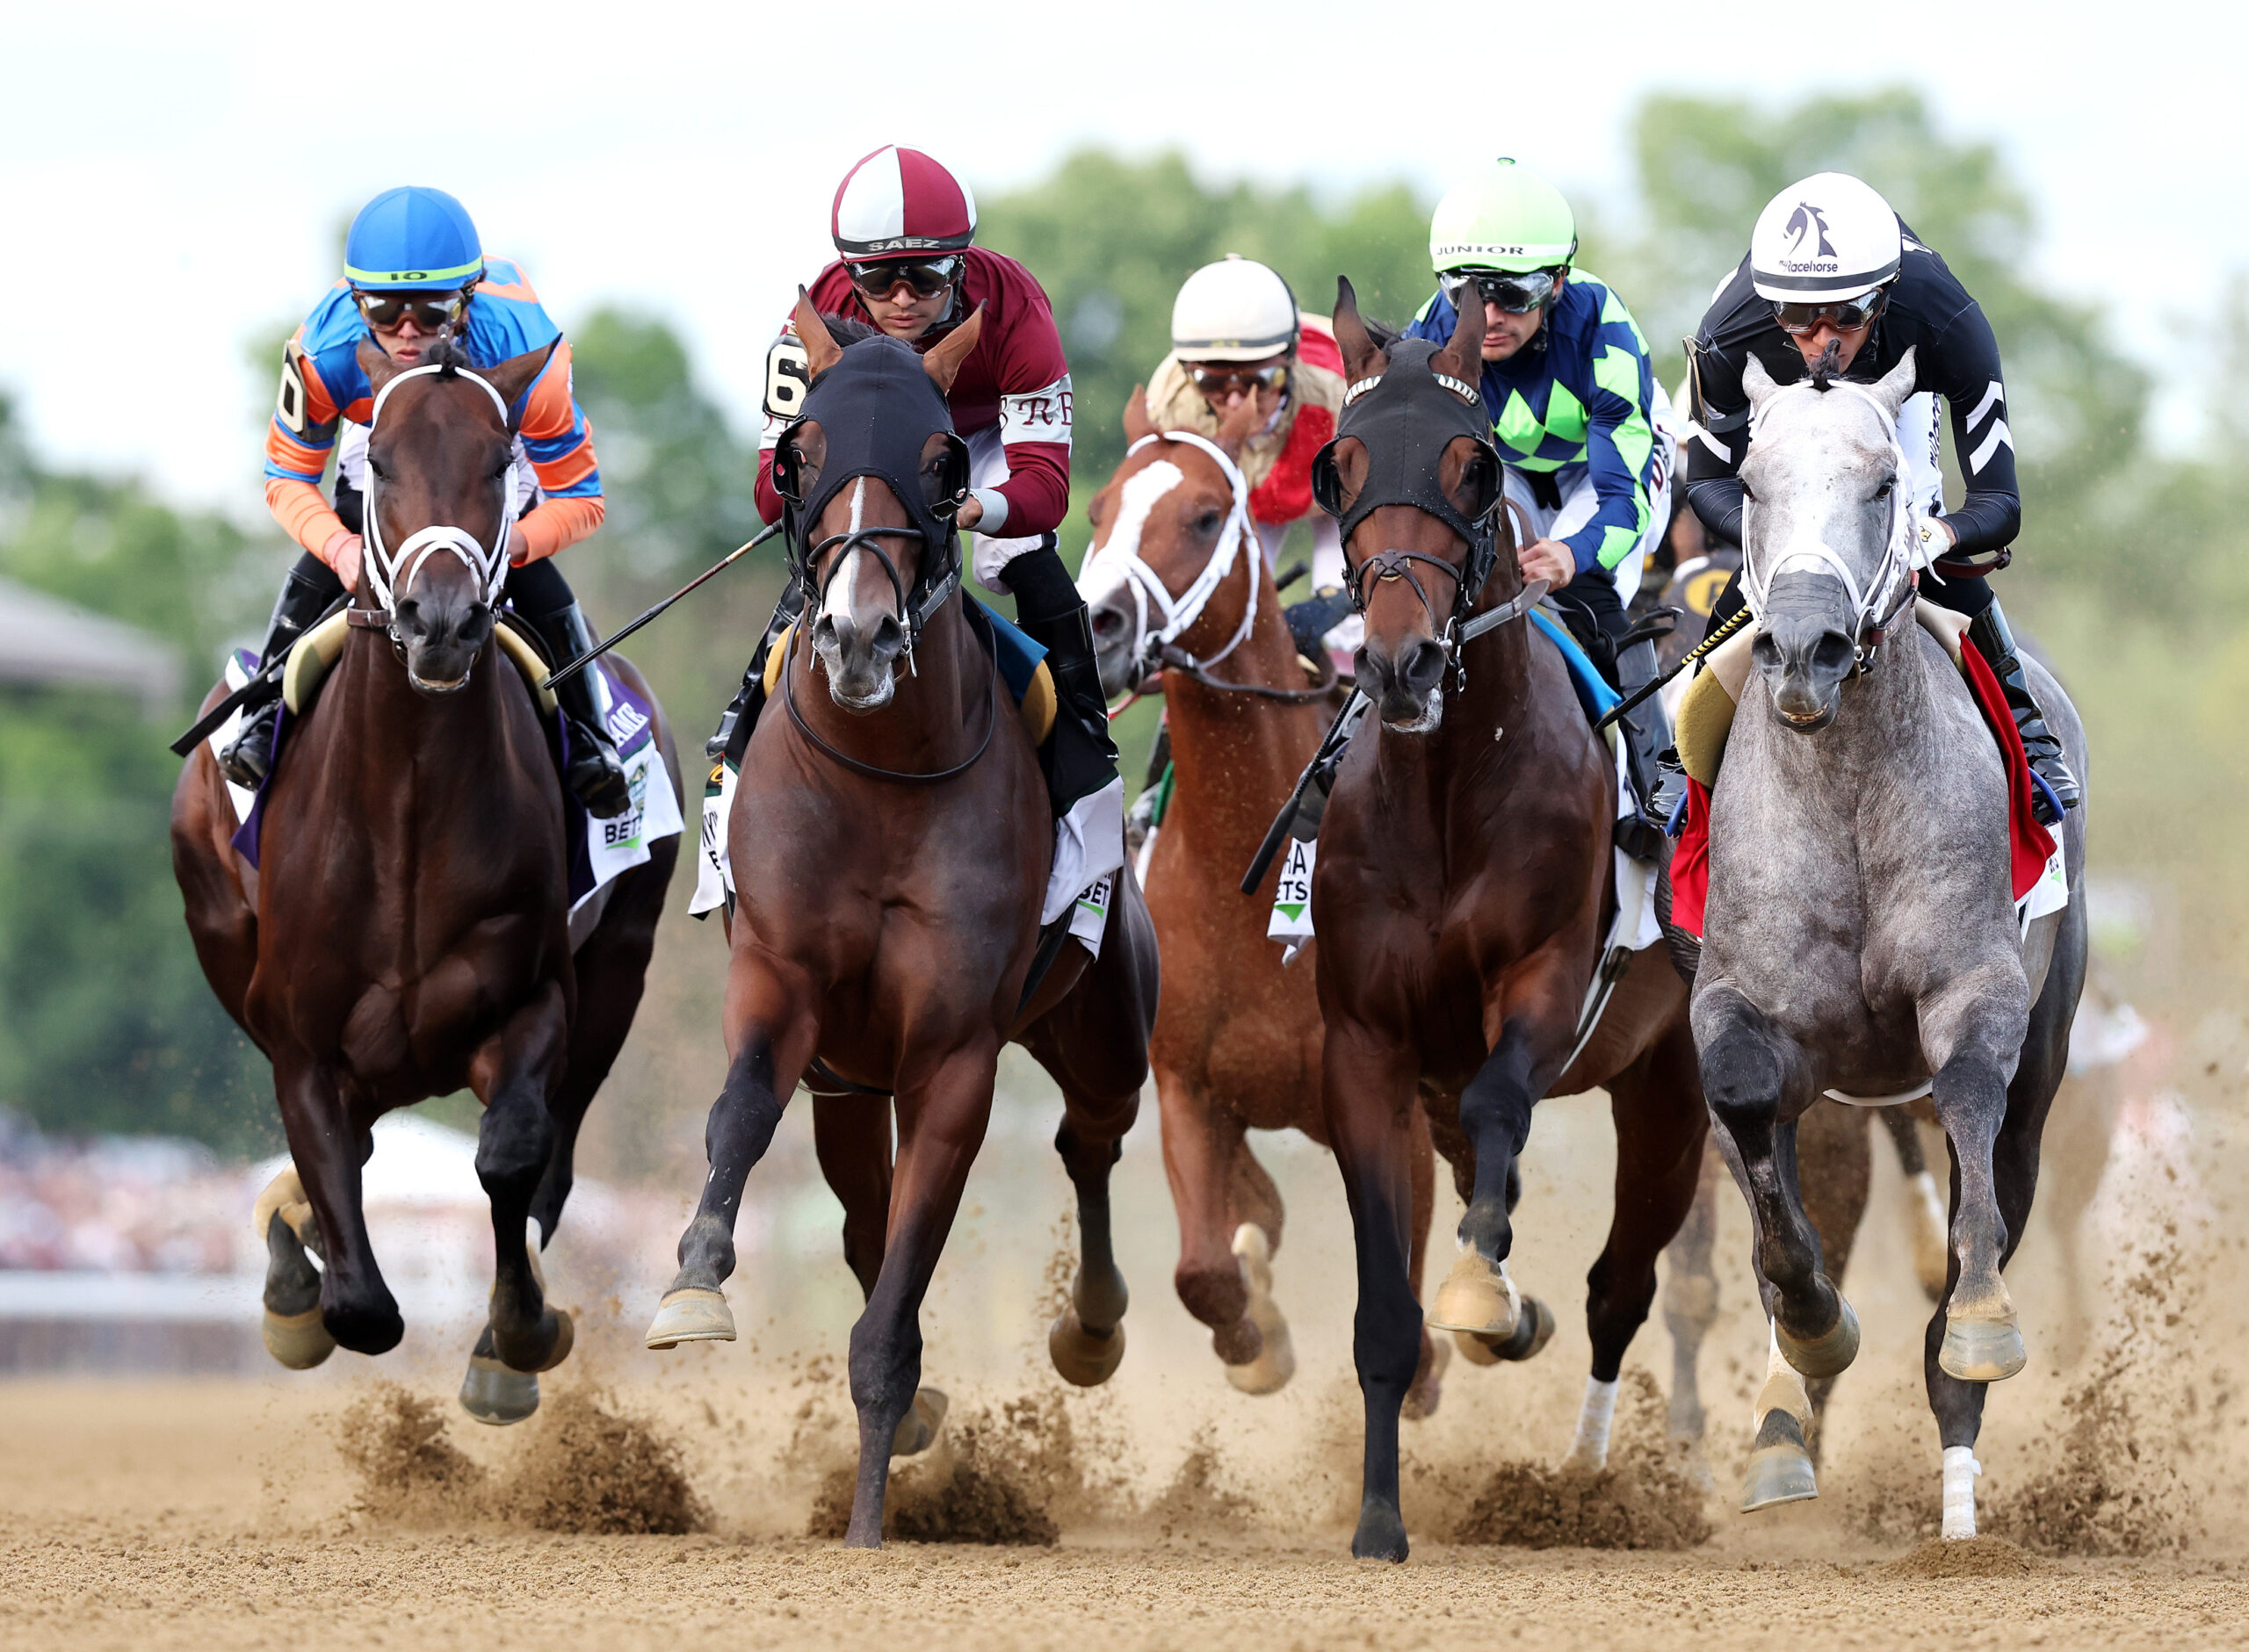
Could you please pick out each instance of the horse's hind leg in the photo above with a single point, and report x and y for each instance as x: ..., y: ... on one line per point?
x: 941, y: 1124
x: 1834, y: 1171
x: 514, y: 1074
x: 328, y: 1149
x: 1924, y: 1206
x: 1690, y: 1300
x: 1087, y: 1340
x: 1368, y: 1098
x: 1429, y: 1374
x: 1657, y: 1103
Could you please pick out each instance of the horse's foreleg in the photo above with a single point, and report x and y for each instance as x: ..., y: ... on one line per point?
x: 941, y: 1122
x: 514, y: 1074
x: 1747, y: 1069
x: 773, y: 1036
x: 1983, y: 1343
x: 1087, y: 1341
x: 328, y: 1149
x: 1368, y: 1098
x: 1477, y: 1298
x: 1657, y: 1104
x: 1198, y: 1143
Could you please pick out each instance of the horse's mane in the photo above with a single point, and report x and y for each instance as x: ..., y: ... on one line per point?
x: 1829, y: 367
x: 848, y: 330
x: 448, y: 356
x: 1382, y: 333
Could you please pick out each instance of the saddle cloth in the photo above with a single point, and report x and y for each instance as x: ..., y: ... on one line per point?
x: 601, y: 851
x: 1023, y: 668
x: 2040, y: 882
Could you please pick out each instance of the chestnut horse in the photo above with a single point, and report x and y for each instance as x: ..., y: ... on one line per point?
x: 1464, y: 874
x: 406, y: 932
x: 1176, y: 583
x: 891, y: 839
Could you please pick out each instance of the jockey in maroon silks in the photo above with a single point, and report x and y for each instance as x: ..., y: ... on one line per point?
x: 906, y: 266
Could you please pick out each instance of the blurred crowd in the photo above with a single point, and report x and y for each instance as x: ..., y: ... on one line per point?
x: 116, y: 1204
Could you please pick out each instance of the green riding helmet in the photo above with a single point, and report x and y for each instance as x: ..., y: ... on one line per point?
x: 1505, y: 218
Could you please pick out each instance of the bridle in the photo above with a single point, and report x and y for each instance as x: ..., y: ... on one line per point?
x: 1156, y: 644
x: 388, y: 571
x: 1870, y: 621
x: 916, y: 606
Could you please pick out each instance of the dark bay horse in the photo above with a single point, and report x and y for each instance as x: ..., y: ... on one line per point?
x: 405, y: 933
x: 1460, y: 890
x: 891, y: 839
x: 1176, y: 582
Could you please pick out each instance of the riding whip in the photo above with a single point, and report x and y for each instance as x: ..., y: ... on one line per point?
x: 205, y: 726
x: 601, y: 648
x: 1689, y: 658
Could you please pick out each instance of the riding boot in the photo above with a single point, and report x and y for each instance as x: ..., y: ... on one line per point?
x: 1145, y: 813
x: 739, y: 720
x: 596, y: 773
x: 1084, y: 758
x: 305, y: 596
x: 1645, y: 735
x: 1989, y: 631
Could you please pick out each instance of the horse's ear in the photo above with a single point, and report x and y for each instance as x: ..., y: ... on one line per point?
x: 1138, y: 425
x: 379, y: 367
x: 1756, y: 382
x: 1894, y: 386
x: 943, y: 363
x: 821, y: 351
x: 1463, y: 355
x: 1359, y: 353
x: 517, y: 374
x: 1235, y: 429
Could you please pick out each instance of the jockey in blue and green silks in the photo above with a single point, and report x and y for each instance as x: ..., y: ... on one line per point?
x: 1582, y: 427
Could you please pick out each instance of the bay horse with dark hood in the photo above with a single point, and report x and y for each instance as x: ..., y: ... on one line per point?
x: 890, y: 839
x: 405, y: 932
x: 1462, y: 884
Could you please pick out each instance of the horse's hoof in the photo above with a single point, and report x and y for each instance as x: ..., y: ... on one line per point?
x: 1381, y: 1535
x: 690, y: 1316
x: 1474, y: 1349
x: 492, y: 1393
x: 566, y: 1338
x: 1269, y: 1370
x: 1532, y: 1332
x: 1778, y: 1473
x: 918, y: 1430
x: 1421, y: 1402
x: 1477, y: 1297
x: 1084, y: 1357
x: 1982, y: 1350
x: 1823, y: 1356
x: 300, y: 1341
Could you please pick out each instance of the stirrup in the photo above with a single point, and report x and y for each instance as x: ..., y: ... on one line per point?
x: 247, y: 759
x: 597, y: 774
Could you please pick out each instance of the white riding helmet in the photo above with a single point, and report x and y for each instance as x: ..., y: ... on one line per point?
x: 1830, y: 236
x: 1233, y: 310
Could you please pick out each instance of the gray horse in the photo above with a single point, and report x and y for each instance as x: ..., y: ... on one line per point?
x: 1861, y: 939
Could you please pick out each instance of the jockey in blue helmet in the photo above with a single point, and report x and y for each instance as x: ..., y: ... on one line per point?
x: 415, y: 273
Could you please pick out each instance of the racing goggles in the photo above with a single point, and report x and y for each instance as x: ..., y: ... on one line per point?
x: 927, y: 277
x: 1515, y: 294
x: 1219, y: 378
x: 431, y: 312
x: 1845, y: 315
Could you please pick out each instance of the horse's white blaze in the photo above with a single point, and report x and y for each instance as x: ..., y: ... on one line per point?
x: 1104, y: 571
x: 838, y: 605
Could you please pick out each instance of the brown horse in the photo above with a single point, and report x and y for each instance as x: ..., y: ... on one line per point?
x: 1175, y: 582
x: 406, y: 932
x: 891, y: 838
x: 1464, y: 872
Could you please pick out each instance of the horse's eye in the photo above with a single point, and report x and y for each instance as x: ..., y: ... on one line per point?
x: 375, y: 467
x: 1207, y: 522
x: 1884, y: 491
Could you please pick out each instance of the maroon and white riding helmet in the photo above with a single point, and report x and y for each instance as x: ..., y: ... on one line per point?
x: 899, y: 201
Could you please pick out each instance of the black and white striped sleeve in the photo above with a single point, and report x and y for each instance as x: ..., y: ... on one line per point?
x: 1967, y: 374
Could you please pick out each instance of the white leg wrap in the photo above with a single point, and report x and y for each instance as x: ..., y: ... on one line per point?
x: 1590, y: 1450
x: 1960, y: 1471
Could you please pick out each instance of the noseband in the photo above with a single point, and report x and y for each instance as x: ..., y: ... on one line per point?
x: 388, y: 571
x: 1870, y: 621
x: 914, y: 606
x: 1154, y: 647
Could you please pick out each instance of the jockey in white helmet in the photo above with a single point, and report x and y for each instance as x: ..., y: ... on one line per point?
x: 1832, y: 267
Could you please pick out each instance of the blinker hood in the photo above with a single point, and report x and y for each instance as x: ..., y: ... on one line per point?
x: 1406, y: 419
x: 877, y: 407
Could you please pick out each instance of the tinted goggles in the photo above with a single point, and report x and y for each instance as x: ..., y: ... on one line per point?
x: 926, y: 275
x: 430, y: 311
x: 1224, y: 378
x: 1515, y: 294
x: 1845, y: 315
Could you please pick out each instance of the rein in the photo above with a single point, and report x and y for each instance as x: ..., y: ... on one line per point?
x: 388, y: 570
x: 1869, y: 626
x: 1157, y: 647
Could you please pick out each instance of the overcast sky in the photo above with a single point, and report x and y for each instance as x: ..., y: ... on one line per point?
x: 173, y: 176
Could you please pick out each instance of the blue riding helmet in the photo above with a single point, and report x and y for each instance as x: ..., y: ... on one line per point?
x: 413, y: 236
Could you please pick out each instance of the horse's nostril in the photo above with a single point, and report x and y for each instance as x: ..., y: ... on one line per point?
x: 1107, y: 623
x: 1424, y: 666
